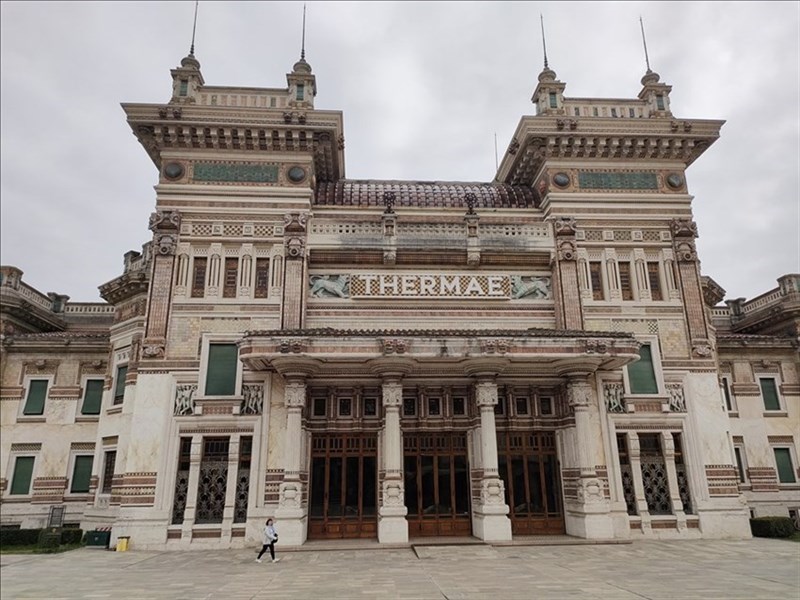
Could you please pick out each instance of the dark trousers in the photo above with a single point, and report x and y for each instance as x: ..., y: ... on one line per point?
x: 271, y: 547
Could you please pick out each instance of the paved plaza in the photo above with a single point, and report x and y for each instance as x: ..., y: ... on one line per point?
x: 759, y: 568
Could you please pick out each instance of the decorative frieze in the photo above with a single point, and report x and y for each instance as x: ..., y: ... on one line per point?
x: 218, y: 172
x: 617, y: 180
x: 253, y: 399
x: 184, y: 399
x: 677, y: 400
x: 614, y: 396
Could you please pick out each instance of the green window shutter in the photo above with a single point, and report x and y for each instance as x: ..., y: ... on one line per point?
x: 23, y: 471
x: 81, y: 474
x: 37, y: 392
x: 119, y: 385
x: 783, y: 460
x: 641, y: 374
x: 770, y: 393
x: 93, y: 397
x: 221, y: 373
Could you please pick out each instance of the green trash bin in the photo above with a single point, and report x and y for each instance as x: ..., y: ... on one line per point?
x: 100, y: 539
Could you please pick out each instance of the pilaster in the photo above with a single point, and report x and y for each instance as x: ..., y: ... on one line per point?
x: 635, y: 455
x: 392, y: 524
x: 294, y: 270
x: 292, y: 513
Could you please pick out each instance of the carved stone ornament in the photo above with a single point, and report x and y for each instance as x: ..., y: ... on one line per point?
x: 566, y: 251
x: 579, y: 393
x: 253, y: 399
x: 565, y: 226
x: 165, y: 220
x: 702, y: 350
x: 677, y: 400
x: 393, y: 346
x: 392, y: 394
x: 291, y: 494
x: 529, y: 286
x: 153, y: 349
x: 685, y: 251
x: 492, y: 492
x: 486, y: 394
x: 292, y: 346
x: 184, y: 399
x: 393, y: 493
x: 596, y: 347
x: 614, y: 397
x: 389, y: 199
x: 295, y: 222
x: 513, y: 147
x: 494, y: 346
x: 295, y: 247
x: 329, y: 286
x: 295, y: 395
x: 165, y: 243
x: 683, y: 228
x: 590, y: 491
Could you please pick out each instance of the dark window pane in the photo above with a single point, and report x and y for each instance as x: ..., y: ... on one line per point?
x: 546, y: 406
x: 221, y: 373
x: 37, y: 392
x: 23, y: 471
x: 462, y: 484
x: 352, y: 486
x: 445, y: 504
x: 92, y: 397
x: 641, y: 375
x: 595, y: 274
x: 409, y: 407
x: 655, y: 280
x: 769, y: 391
x: 625, y: 281
x: 108, y: 471
x: 184, y: 87
x: 428, y: 482
x: 459, y: 406
x: 81, y: 474
x: 317, y: 486
x: 262, y: 278
x: 434, y: 407
x: 199, y: 278
x: 335, y: 487
x: 551, y: 484
x: 230, y: 277
x: 345, y: 407
x: 553, y: 100
x: 370, y: 407
x: 535, y: 486
x: 522, y: 406
x: 783, y: 460
x: 739, y: 465
x: 369, y: 489
x: 119, y: 384
x: 320, y: 405
x: 410, y: 472
x: 727, y: 393
x: 520, y: 505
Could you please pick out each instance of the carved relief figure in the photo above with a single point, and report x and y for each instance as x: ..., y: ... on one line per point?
x: 330, y: 286
x: 535, y: 287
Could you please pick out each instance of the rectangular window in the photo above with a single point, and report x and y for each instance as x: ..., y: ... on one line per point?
x: 594, y: 111
x: 660, y: 102
x: 769, y: 392
x: 300, y: 91
x: 319, y: 405
x: 409, y: 407
x: 631, y: 112
x: 199, y: 278
x: 738, y: 453
x: 222, y: 366
x: 108, y: 471
x: 37, y: 392
x: 231, y: 273
x: 81, y: 474
x: 262, y: 278
x: 654, y: 278
x: 23, y: 472
x: 613, y: 112
x: 119, y: 384
x: 553, y: 100
x: 459, y: 406
x: 596, y: 277
x: 92, y: 397
x: 521, y: 405
x: 345, y: 407
x: 370, y: 407
x: 545, y: 406
x: 434, y: 407
x: 184, y: 88
x: 577, y: 112
x: 783, y: 460
x: 726, y: 394
x: 625, y: 281
x: 641, y: 375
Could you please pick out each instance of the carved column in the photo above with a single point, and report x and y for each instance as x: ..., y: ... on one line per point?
x: 389, y: 219
x: 490, y: 519
x: 473, y: 241
x: 165, y: 226
x: 588, y: 510
x: 189, y: 513
x: 294, y: 271
x: 291, y: 513
x: 684, y: 231
x: 230, y: 486
x: 569, y: 314
x: 635, y: 455
x: 668, y: 444
x: 392, y: 525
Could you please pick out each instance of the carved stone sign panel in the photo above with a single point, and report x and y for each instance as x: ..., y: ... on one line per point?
x: 414, y: 285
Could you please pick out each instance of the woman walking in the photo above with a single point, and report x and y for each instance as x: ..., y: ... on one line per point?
x: 270, y: 538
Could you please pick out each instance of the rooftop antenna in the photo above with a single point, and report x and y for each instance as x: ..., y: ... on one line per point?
x: 496, y: 164
x: 303, y: 47
x: 644, y: 42
x: 544, y: 43
x: 194, y: 27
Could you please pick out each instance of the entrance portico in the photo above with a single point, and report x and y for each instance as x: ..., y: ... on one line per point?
x: 434, y: 402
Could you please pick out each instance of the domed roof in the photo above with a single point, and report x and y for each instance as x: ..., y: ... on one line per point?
x: 301, y: 66
x: 650, y: 77
x: 547, y: 74
x: 190, y: 61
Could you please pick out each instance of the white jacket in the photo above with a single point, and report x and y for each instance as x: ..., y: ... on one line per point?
x: 270, y: 534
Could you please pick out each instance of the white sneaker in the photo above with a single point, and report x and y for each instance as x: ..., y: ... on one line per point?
x: 258, y: 560
x: 275, y: 559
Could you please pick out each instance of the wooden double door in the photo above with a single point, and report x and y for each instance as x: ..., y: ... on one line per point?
x: 437, y: 484
x: 343, y: 486
x: 528, y: 465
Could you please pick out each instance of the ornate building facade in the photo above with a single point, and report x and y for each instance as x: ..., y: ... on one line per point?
x: 394, y: 359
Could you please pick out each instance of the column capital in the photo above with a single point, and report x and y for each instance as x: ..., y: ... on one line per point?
x: 579, y: 392
x: 295, y: 394
x: 392, y: 393
x: 486, y: 393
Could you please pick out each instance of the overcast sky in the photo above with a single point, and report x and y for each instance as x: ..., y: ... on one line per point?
x: 424, y: 87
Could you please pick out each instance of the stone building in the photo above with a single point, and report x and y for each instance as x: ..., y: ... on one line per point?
x: 398, y: 359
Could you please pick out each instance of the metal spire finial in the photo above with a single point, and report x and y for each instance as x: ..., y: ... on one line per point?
x: 194, y: 27
x: 544, y: 43
x: 303, y: 46
x: 644, y: 42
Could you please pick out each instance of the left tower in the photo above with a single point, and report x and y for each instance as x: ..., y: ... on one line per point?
x: 237, y: 169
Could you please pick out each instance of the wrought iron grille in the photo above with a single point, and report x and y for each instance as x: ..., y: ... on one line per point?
x: 181, y: 481
x: 628, y: 489
x: 683, y: 488
x: 656, y: 487
x: 213, y: 480
x: 243, y: 480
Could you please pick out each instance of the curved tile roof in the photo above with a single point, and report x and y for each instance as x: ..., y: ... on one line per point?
x: 433, y: 194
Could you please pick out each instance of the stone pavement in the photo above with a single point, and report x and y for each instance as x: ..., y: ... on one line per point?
x: 752, y: 569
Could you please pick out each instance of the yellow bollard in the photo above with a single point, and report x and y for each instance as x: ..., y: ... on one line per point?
x: 122, y: 543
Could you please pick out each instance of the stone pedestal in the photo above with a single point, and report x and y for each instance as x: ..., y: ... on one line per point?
x: 291, y: 518
x: 392, y: 524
